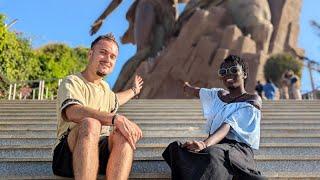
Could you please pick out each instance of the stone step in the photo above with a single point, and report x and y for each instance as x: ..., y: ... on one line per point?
x: 155, y: 113
x: 26, y: 141
x: 163, y: 101
x: 163, y: 110
x: 162, y: 118
x: 161, y: 105
x: 167, y: 176
x: 303, y: 164
x: 155, y: 150
x: 170, y: 104
x: 159, y: 122
x: 44, y: 134
x: 13, y: 133
x: 161, y: 126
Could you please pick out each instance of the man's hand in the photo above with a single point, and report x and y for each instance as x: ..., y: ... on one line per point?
x: 128, y: 129
x: 137, y: 84
x: 195, y: 146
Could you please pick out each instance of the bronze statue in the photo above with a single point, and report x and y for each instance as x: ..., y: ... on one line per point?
x: 251, y: 16
x: 151, y: 24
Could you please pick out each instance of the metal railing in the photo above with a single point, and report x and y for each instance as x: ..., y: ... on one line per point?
x: 35, y: 90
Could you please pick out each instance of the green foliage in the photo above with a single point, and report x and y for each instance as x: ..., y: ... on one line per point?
x: 19, y: 62
x: 57, y: 61
x: 278, y: 64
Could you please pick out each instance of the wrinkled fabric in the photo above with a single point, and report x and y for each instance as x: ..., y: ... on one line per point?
x: 227, y: 160
x: 243, y: 117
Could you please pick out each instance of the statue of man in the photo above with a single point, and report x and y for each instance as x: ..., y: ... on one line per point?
x: 151, y: 22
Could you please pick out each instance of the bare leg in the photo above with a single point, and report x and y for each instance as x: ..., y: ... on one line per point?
x: 121, y: 157
x: 83, y: 142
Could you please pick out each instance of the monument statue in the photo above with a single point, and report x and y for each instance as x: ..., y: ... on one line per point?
x: 251, y: 16
x: 151, y: 24
x: 193, y: 46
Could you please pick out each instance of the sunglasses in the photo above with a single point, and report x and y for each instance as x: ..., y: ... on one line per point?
x: 233, y: 70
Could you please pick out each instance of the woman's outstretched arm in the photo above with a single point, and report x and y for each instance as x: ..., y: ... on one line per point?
x: 191, y: 90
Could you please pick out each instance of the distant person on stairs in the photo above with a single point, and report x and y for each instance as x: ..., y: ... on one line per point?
x: 86, y: 109
x: 269, y: 90
x: 233, y: 127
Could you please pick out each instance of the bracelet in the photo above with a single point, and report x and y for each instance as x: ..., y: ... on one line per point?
x: 204, y: 144
x: 113, y: 118
x: 134, y: 90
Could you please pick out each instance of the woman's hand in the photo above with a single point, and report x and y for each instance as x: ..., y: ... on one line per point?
x: 187, y: 89
x: 190, y: 90
x: 195, y: 146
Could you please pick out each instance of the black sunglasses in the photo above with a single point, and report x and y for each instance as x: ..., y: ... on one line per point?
x: 233, y: 70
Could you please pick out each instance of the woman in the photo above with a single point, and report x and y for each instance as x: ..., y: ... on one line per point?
x: 233, y: 124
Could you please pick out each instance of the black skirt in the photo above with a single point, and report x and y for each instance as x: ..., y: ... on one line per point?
x: 227, y: 160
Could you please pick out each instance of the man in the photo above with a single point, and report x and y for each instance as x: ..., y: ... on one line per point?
x: 86, y: 108
x: 294, y: 86
x: 269, y: 90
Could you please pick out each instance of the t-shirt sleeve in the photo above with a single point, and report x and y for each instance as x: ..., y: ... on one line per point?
x: 70, y: 93
x: 245, y: 123
x: 116, y: 102
x: 207, y: 98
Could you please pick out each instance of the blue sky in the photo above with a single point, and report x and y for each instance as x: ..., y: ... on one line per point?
x: 68, y: 21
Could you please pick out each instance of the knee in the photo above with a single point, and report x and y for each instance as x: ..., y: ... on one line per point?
x: 119, y: 141
x: 90, y: 127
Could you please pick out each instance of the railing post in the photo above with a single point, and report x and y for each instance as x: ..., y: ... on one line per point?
x: 42, y: 90
x: 59, y: 82
x: 10, y: 90
x: 47, y: 92
x: 33, y: 94
x: 14, y: 91
x: 39, y: 89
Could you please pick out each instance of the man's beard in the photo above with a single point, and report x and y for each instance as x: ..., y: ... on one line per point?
x: 100, y: 74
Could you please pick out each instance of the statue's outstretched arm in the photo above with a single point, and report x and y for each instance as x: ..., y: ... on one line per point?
x: 98, y: 22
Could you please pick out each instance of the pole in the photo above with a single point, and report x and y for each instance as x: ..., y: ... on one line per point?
x: 10, y: 90
x: 14, y: 91
x: 47, y: 92
x: 312, y: 80
x: 33, y: 94
x: 39, y: 90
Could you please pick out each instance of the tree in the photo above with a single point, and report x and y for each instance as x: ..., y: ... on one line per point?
x: 17, y: 62
x: 276, y: 65
x: 57, y: 61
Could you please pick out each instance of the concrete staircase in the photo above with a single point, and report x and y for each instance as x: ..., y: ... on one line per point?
x: 290, y: 137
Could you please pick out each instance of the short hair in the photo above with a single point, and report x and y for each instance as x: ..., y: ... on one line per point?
x: 237, y: 60
x: 108, y: 37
